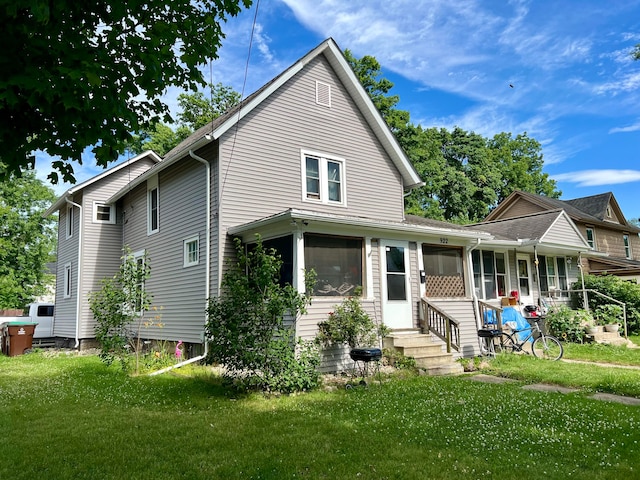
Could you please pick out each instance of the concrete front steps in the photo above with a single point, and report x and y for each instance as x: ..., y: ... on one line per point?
x: 610, y: 338
x: 429, y: 356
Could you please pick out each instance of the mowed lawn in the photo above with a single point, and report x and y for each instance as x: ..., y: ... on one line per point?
x: 72, y: 417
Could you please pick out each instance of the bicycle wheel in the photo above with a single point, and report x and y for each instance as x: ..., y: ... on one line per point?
x: 548, y: 347
x: 505, y: 344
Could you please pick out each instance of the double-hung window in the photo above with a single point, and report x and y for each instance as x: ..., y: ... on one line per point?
x: 191, y: 251
x: 323, y: 179
x: 627, y: 245
x: 591, y: 237
x: 489, y: 273
x: 553, y: 276
x: 153, y: 214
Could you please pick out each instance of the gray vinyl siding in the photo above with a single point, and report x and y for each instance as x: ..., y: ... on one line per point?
x: 563, y: 233
x: 65, y: 315
x: 261, y: 162
x: 102, y: 242
x: 463, y: 311
x: 178, y: 292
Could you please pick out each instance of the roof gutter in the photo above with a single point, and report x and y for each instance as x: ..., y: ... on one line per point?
x: 78, y: 292
x: 208, y: 269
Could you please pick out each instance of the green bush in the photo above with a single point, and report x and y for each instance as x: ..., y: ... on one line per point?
x: 246, y: 325
x: 615, y: 287
x: 351, y: 325
x: 567, y: 324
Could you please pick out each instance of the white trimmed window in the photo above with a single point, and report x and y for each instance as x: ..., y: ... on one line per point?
x: 69, y: 226
x: 67, y: 280
x: 153, y: 200
x: 591, y: 237
x: 103, y: 213
x: 553, y: 276
x: 627, y: 245
x: 489, y: 273
x: 323, y: 179
x: 191, y: 251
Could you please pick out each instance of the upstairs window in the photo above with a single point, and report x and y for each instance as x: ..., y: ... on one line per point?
x: 103, y: 213
x: 69, y: 225
x: 591, y: 237
x: 627, y: 245
x: 323, y: 179
x: 153, y: 200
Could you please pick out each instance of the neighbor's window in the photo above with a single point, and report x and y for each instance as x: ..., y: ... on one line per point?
x: 553, y: 276
x: 67, y: 280
x: 591, y: 237
x: 69, y: 222
x: 323, y: 179
x: 489, y: 273
x: 191, y: 251
x: 627, y: 245
x: 337, y: 261
x: 103, y: 213
x: 153, y: 220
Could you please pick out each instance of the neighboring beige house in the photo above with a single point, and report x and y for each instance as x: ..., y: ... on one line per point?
x: 614, y: 242
x: 308, y: 163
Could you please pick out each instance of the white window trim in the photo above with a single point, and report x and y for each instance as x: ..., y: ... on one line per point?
x: 112, y: 213
x: 507, y: 274
x: 185, y: 249
x: 152, y: 184
x: 69, y: 225
x: 67, y: 280
x: 593, y: 236
x: 626, y: 243
x: 323, y: 158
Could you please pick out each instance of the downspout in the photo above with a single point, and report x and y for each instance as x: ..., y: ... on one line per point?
x: 208, y: 269
x: 78, y: 292
x: 473, y: 286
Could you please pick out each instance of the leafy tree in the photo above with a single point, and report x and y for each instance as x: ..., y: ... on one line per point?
x: 246, y: 325
x: 27, y: 239
x: 197, y: 111
x: 77, y: 74
x: 636, y: 52
x: 368, y: 71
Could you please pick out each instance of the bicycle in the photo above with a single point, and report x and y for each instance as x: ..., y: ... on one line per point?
x: 543, y: 346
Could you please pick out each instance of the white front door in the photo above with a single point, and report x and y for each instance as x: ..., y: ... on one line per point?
x: 525, y: 282
x: 396, y: 286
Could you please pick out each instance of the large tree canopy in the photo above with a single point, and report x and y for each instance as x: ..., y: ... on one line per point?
x: 77, y: 74
x: 27, y: 240
x: 465, y: 174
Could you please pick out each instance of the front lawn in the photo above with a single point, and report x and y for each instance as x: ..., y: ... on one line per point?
x: 71, y: 417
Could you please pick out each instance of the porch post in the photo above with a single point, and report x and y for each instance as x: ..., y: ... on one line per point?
x: 298, y: 261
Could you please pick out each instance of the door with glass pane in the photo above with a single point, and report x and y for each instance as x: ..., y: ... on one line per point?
x: 525, y: 283
x: 396, y: 291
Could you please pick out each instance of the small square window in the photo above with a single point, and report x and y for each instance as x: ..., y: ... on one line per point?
x: 191, y: 251
x: 103, y: 213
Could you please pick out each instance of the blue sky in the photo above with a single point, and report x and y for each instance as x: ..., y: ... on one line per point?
x: 575, y: 87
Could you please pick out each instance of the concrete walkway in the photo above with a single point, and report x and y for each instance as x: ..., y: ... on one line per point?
x: 542, y: 387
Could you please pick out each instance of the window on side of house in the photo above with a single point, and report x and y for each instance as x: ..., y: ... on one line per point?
x: 69, y: 225
x: 337, y: 261
x: 67, y: 280
x: 191, y: 251
x: 489, y: 274
x: 627, y: 245
x: 591, y: 237
x: 323, y: 179
x: 153, y: 199
x: 103, y: 213
x: 553, y: 276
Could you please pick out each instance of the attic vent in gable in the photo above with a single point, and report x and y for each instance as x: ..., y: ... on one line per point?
x: 323, y: 94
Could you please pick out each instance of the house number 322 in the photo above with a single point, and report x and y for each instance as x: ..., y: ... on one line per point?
x: 444, y: 240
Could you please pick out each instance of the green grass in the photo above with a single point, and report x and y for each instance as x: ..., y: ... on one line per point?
x: 71, y: 417
x: 592, y: 352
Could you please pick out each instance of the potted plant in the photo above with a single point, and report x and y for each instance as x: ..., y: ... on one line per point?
x: 609, y: 316
x: 587, y: 322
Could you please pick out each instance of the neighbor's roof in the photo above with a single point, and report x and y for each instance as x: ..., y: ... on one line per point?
x: 224, y: 123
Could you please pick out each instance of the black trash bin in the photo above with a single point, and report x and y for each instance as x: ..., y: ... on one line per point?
x: 18, y: 337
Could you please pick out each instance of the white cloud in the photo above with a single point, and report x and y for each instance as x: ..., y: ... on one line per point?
x: 630, y: 128
x: 591, y: 178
